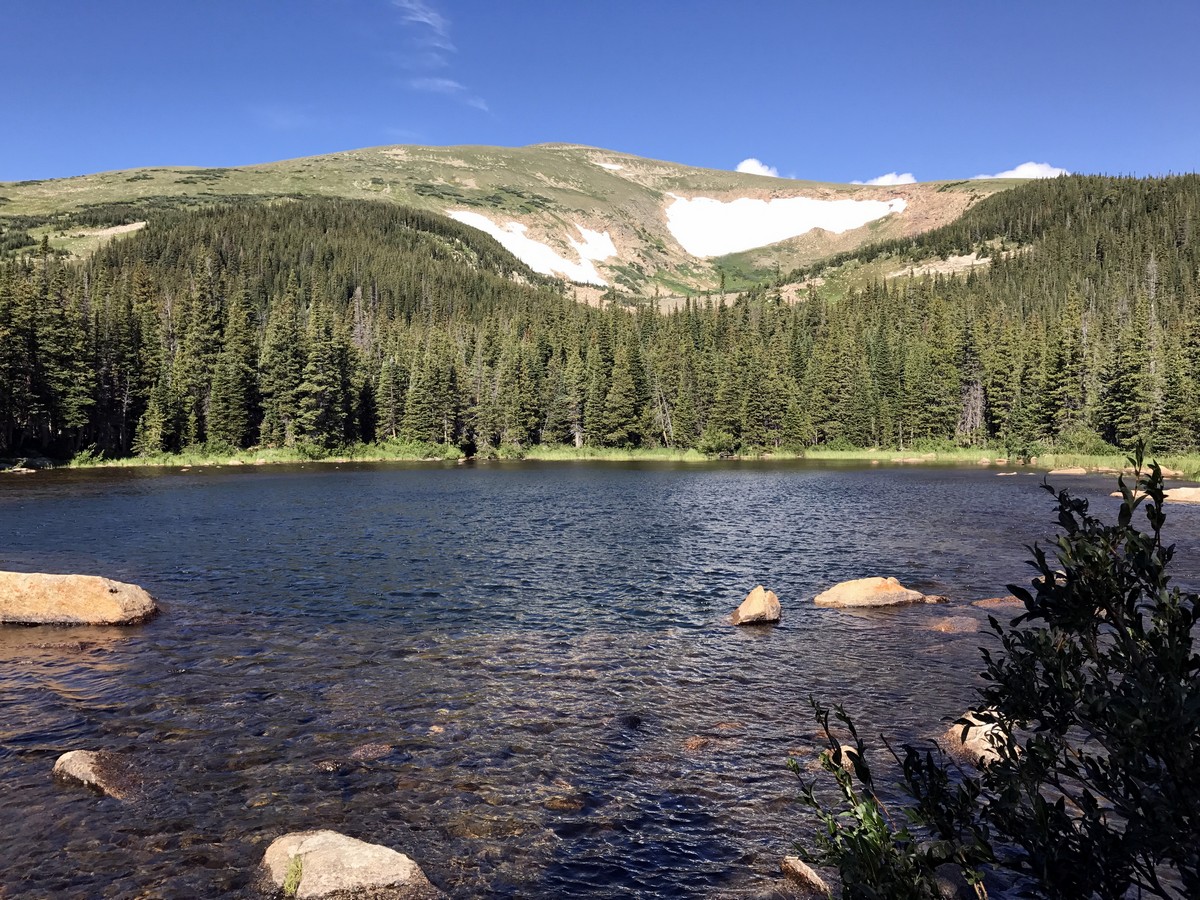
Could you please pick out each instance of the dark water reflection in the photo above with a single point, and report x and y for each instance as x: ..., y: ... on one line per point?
x: 518, y: 674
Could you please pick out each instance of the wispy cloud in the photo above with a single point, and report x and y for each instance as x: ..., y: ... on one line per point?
x: 1029, y: 170
x: 450, y: 88
x: 418, y: 12
x: 752, y: 166
x: 436, y: 85
x: 891, y: 178
x: 431, y: 47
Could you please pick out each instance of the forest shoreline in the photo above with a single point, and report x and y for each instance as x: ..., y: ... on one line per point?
x: 1179, y: 466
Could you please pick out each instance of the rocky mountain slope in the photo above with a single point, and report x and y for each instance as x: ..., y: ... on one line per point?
x: 581, y: 213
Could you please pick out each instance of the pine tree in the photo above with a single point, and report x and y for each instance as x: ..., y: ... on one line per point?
x: 282, y: 370
x: 234, y: 405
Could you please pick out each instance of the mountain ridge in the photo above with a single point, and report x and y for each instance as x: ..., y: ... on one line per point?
x: 543, y: 200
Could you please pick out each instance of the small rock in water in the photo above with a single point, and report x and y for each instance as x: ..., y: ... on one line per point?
x: 760, y: 607
x: 1068, y: 470
x: 804, y: 877
x: 101, y: 770
x: 868, y: 592
x: 325, y: 864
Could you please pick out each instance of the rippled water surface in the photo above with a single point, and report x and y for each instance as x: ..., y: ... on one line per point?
x: 519, y: 674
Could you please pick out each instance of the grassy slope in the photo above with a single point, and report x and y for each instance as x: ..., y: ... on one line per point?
x: 550, y: 187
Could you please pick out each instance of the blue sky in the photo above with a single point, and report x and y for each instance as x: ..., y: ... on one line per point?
x: 827, y: 91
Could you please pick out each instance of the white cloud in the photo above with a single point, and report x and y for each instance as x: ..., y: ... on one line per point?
x: 891, y: 178
x: 754, y: 166
x: 1029, y: 170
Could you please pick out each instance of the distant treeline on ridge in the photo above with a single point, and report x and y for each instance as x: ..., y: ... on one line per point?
x: 326, y: 323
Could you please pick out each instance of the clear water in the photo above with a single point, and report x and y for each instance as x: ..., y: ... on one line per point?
x: 519, y: 674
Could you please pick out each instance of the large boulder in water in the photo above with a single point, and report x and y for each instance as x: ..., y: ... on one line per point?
x: 869, y: 592
x: 760, y: 607
x: 108, y: 773
x: 34, y: 599
x: 328, y: 864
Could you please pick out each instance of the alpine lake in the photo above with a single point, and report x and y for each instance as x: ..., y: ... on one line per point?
x: 520, y: 674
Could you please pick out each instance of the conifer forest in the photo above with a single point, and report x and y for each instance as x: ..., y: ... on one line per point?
x: 324, y: 324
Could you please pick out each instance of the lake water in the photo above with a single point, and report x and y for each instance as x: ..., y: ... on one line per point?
x: 519, y: 674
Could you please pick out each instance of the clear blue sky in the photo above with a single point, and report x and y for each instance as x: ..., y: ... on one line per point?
x: 818, y: 90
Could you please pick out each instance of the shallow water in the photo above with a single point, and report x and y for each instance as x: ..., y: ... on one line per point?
x: 519, y: 674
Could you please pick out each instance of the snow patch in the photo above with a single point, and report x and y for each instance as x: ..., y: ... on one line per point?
x: 707, y: 227
x: 613, y: 167
x: 596, y: 245
x: 541, y: 257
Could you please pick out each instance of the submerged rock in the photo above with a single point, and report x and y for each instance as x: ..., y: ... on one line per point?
x: 36, y: 599
x: 1006, y: 602
x: 328, y: 864
x: 370, y: 751
x: 103, y: 771
x: 975, y: 742
x: 804, y: 877
x: 759, y: 608
x: 870, y: 592
x: 955, y: 625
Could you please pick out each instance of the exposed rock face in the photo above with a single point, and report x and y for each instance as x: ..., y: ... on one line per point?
x: 976, y: 748
x: 328, y: 864
x: 1069, y: 470
x: 106, y: 772
x: 869, y: 592
x: 804, y: 877
x: 33, y: 599
x: 760, y: 607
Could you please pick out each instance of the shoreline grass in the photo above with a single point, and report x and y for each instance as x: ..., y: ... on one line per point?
x: 203, y: 456
x: 1177, y: 465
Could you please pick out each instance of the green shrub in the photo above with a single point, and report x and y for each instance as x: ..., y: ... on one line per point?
x: 1095, y: 698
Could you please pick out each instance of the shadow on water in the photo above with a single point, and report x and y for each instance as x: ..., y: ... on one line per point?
x: 519, y: 674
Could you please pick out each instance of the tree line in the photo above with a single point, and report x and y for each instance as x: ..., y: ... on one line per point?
x: 324, y: 323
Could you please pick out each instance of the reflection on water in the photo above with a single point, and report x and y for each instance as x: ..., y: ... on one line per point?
x: 518, y: 674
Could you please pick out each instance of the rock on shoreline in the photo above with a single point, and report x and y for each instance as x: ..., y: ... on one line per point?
x: 36, y: 599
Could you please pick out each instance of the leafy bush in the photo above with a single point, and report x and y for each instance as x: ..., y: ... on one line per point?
x: 1083, y: 440
x: 1093, y: 704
